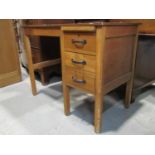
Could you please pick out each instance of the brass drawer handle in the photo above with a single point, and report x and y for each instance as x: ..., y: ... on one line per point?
x: 82, y: 62
x: 79, y: 42
x: 78, y: 81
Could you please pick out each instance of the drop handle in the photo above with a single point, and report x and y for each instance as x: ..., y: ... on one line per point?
x: 82, y: 62
x: 79, y: 42
x: 78, y: 81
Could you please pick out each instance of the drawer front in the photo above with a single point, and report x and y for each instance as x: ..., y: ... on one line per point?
x: 81, y: 80
x: 82, y: 42
x: 80, y: 61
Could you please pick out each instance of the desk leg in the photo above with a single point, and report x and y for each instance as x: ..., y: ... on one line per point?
x: 99, y: 90
x: 43, y: 76
x: 66, y: 99
x: 98, y: 113
x: 129, y: 86
x: 30, y: 64
x: 128, y: 94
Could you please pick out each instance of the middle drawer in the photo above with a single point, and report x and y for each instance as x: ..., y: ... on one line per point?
x: 80, y: 61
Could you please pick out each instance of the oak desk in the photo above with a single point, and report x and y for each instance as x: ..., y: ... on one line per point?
x: 96, y: 58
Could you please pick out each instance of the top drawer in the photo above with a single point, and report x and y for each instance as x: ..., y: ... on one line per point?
x: 82, y: 42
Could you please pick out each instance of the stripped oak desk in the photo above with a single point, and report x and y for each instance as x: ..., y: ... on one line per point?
x: 96, y: 58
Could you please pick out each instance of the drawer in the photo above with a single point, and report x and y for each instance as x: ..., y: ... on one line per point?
x: 80, y: 42
x: 81, y: 80
x: 80, y: 61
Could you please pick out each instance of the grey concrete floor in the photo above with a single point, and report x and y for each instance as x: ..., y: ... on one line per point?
x: 22, y: 113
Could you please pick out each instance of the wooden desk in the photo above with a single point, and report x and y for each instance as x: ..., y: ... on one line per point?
x: 39, y: 30
x: 97, y: 58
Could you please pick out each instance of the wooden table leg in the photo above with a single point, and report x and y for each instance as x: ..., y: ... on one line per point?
x: 66, y: 99
x: 100, y: 44
x: 129, y: 86
x: 98, y: 113
x: 128, y: 94
x: 43, y: 76
x: 30, y: 64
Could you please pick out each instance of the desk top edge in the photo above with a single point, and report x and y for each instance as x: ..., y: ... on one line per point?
x: 81, y: 24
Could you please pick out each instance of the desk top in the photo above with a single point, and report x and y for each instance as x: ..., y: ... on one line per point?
x: 81, y: 24
x: 55, y: 29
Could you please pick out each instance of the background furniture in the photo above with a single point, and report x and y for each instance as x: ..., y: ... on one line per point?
x: 43, y: 31
x: 145, y: 63
x: 46, y: 48
x: 98, y: 58
x: 9, y: 58
x: 147, y: 25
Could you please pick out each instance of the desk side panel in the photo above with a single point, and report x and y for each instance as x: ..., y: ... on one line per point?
x: 119, y: 50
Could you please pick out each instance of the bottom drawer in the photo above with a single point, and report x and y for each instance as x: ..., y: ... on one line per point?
x: 80, y: 79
